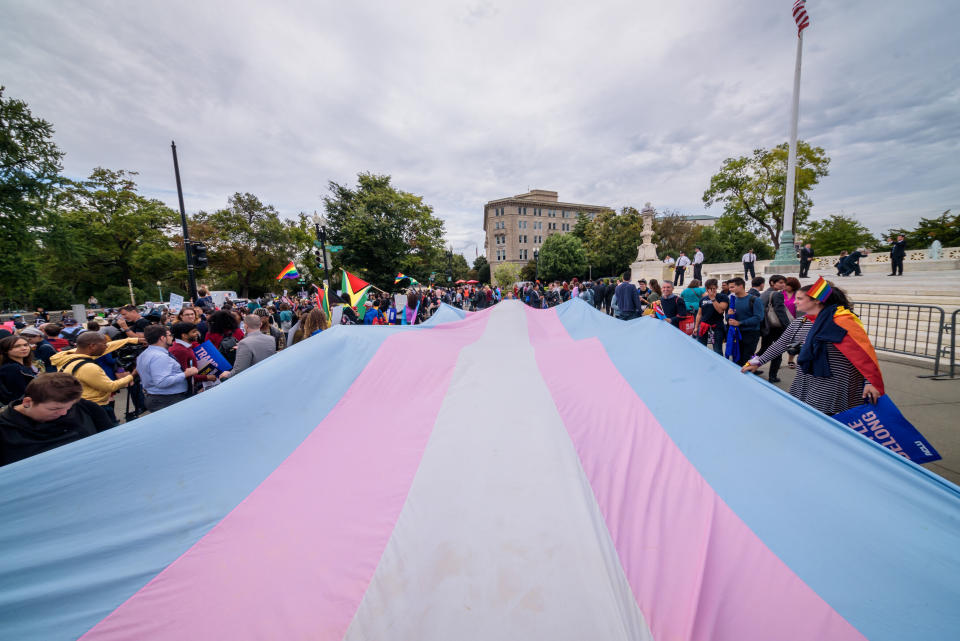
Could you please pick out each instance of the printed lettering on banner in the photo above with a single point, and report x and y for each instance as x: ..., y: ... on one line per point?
x: 884, y: 424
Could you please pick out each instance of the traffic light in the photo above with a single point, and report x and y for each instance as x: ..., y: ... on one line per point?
x: 200, y: 260
x: 319, y: 256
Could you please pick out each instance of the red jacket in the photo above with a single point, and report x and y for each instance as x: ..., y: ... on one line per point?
x: 185, y: 356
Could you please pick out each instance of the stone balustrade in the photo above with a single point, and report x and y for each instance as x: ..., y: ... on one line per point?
x: 916, y: 260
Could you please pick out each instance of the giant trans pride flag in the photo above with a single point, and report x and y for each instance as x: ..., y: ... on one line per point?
x: 510, y: 474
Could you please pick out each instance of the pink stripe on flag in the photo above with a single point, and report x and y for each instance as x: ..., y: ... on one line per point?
x: 294, y: 559
x: 697, y: 571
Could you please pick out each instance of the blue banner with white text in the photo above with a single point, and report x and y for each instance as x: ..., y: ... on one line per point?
x: 885, y: 424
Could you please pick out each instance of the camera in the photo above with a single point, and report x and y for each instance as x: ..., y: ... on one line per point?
x: 127, y: 356
x: 794, y: 348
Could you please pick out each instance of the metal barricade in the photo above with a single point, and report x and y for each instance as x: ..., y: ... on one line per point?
x: 900, y: 328
x: 952, y: 329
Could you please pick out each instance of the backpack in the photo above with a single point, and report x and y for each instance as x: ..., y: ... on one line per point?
x: 226, y: 348
x: 80, y: 362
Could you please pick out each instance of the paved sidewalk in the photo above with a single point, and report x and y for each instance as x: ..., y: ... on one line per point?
x: 932, y: 406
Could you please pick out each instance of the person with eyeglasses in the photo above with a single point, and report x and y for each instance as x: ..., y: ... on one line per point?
x: 164, y: 381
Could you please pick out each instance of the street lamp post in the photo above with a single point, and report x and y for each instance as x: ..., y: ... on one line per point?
x: 536, y: 258
x: 188, y: 250
x: 160, y: 290
x: 321, y: 231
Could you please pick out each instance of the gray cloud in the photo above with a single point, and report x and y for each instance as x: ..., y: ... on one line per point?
x: 612, y: 102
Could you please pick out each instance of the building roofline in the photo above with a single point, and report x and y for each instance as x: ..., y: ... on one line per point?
x: 551, y: 204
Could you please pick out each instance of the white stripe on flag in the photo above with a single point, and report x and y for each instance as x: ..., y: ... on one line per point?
x: 800, y: 15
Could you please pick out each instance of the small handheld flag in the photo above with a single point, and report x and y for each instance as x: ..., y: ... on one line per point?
x: 290, y: 271
x: 820, y: 290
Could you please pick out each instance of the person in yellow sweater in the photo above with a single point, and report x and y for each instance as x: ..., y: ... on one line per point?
x: 97, y: 386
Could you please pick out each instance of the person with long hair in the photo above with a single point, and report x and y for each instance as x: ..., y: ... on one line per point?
x: 16, y: 369
x: 411, y: 310
x: 790, y: 289
x: 223, y: 324
x: 657, y: 294
x: 311, y: 324
x: 838, y: 367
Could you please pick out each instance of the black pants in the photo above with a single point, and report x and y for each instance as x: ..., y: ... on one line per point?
x: 766, y: 342
x: 897, y: 263
x: 157, y: 402
x: 698, y: 271
x: 678, y: 275
x: 718, y: 336
x: 748, y: 346
x: 851, y: 268
x: 804, y: 268
x: 748, y: 267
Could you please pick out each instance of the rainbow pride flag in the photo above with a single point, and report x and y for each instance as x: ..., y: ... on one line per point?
x: 608, y: 506
x: 290, y: 271
x: 820, y: 290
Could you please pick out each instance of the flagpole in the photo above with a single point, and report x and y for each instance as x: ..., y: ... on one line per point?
x: 786, y: 254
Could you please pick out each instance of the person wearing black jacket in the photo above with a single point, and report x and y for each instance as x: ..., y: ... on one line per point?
x: 773, y: 305
x: 897, y: 253
x: 806, y: 257
x: 599, y: 291
x: 672, y: 305
x: 16, y: 370
x: 608, y: 292
x: 50, y: 414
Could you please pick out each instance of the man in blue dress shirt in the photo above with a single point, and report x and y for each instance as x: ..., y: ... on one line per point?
x: 164, y: 382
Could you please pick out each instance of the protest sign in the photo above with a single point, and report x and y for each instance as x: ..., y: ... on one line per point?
x: 885, y: 424
x: 207, y: 352
x: 79, y: 313
x: 176, y: 302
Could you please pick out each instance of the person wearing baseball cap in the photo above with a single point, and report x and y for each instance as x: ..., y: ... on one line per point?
x: 42, y: 349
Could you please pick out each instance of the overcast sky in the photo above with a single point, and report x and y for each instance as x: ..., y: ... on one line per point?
x: 608, y: 102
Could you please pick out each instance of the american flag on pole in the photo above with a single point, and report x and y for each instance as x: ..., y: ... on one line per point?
x: 800, y: 15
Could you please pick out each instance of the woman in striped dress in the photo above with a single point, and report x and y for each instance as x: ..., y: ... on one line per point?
x: 846, y: 386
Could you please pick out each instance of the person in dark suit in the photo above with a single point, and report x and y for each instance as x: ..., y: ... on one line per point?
x: 610, y: 288
x: 897, y: 253
x: 599, y: 290
x: 806, y: 256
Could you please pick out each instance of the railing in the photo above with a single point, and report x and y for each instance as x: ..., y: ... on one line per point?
x: 912, y: 330
x: 951, y: 328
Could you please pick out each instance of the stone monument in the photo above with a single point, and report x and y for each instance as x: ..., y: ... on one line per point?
x: 647, y: 265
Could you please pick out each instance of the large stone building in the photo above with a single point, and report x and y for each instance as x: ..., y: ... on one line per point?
x: 517, y: 226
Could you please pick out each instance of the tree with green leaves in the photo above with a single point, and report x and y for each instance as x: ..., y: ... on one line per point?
x: 673, y: 233
x: 836, y: 233
x: 581, y: 226
x: 611, y: 240
x: 751, y: 188
x: 248, y: 243
x: 506, y: 274
x: 383, y: 230
x: 479, y: 262
x: 945, y: 228
x: 562, y: 257
x: 727, y: 241
x: 29, y: 177
x: 106, y: 232
x: 529, y: 271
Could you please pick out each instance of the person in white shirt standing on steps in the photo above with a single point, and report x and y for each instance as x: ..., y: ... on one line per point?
x: 748, y: 261
x: 681, y: 267
x: 698, y: 265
